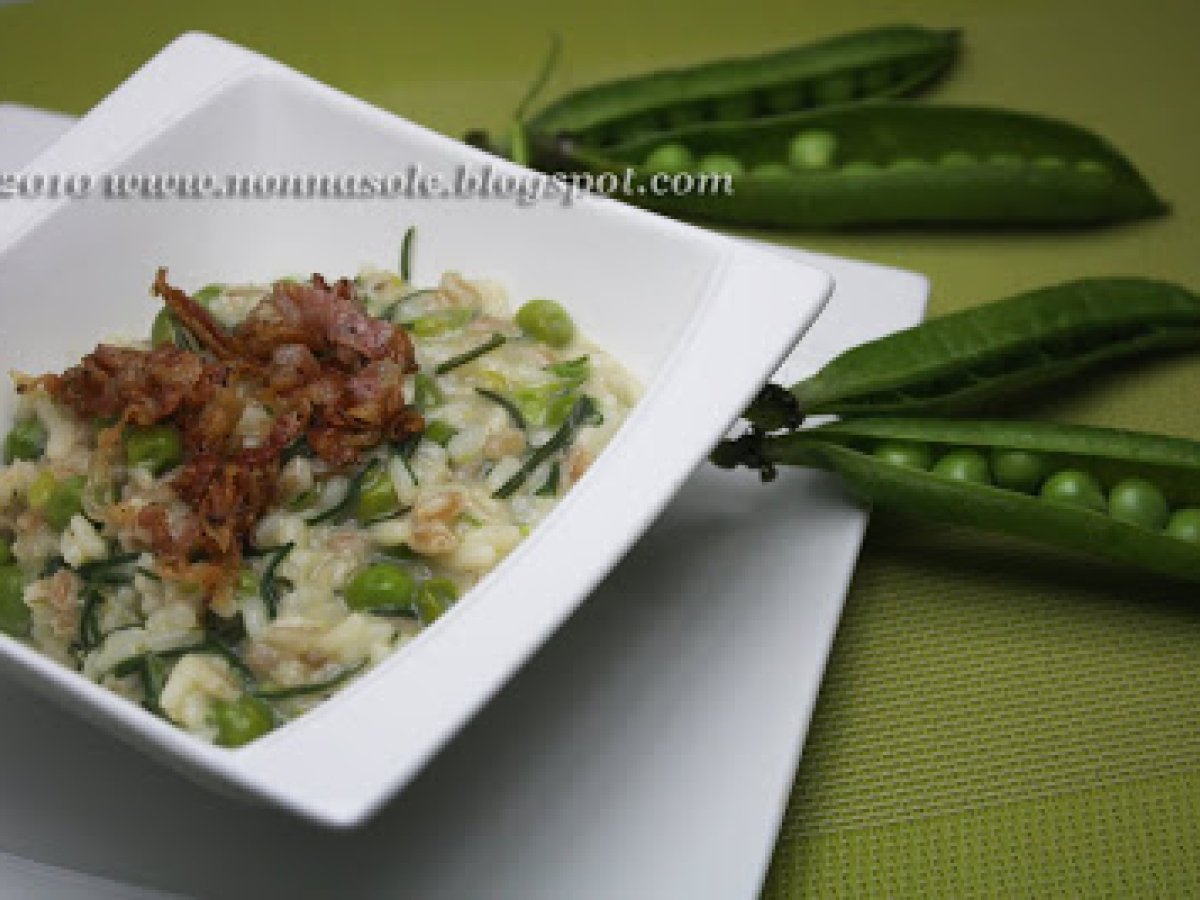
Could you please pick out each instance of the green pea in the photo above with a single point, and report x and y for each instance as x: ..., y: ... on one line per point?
x: 670, y: 158
x: 771, y: 171
x: 377, y: 496
x: 558, y: 407
x: 56, y: 500
x: 26, y: 440
x: 439, y: 432
x: 957, y: 159
x: 546, y: 321
x: 734, y: 107
x: 434, y: 597
x: 910, y: 456
x: 966, y: 465
x: 38, y: 494
x: 440, y: 321
x: 720, y: 164
x: 812, y: 150
x: 14, y: 614
x: 65, y: 502
x: 158, y: 447
x: 380, y: 585
x: 1138, y: 502
x: 784, y: 98
x: 242, y: 720
x: 1074, y: 488
x: 834, y: 89
x: 1019, y: 470
x: 1185, y: 525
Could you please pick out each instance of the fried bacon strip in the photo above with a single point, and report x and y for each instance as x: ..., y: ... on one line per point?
x: 138, y: 386
x: 309, y: 353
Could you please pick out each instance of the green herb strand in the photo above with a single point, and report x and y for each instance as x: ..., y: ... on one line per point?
x: 462, y: 359
x: 406, y: 252
x: 507, y: 405
x: 339, y: 512
x: 268, y: 587
x: 584, y: 412
x: 303, y: 690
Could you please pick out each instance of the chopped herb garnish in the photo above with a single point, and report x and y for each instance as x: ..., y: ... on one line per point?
x: 406, y: 253
x: 296, y: 448
x: 184, y: 339
x: 550, y: 487
x: 507, y: 405
x: 301, y: 690
x: 392, y: 311
x: 576, y: 371
x: 53, y: 566
x: 406, y: 449
x: 584, y: 412
x: 89, y: 625
x: 268, y: 587
x: 462, y: 359
x: 426, y: 393
x: 303, y: 500
x: 440, y: 321
x: 439, y: 432
x: 400, y: 612
x: 89, y: 570
x: 227, y: 630
x: 339, y: 512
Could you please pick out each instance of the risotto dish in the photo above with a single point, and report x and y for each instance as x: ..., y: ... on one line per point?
x: 285, y: 483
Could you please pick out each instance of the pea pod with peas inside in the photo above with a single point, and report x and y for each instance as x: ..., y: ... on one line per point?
x: 877, y: 164
x: 888, y: 61
x: 1133, y: 498
x: 966, y: 361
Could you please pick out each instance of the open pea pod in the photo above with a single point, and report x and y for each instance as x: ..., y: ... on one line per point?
x: 862, y: 452
x: 879, y: 62
x: 962, y: 362
x: 875, y: 164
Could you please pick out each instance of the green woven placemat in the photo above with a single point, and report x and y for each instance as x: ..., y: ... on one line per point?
x: 1000, y: 721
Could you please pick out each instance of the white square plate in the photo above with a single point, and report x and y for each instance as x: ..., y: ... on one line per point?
x: 703, y: 319
x: 481, y: 820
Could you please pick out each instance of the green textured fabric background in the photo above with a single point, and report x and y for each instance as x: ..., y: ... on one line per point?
x: 997, y: 720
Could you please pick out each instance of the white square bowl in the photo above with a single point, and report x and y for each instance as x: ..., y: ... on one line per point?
x: 703, y: 321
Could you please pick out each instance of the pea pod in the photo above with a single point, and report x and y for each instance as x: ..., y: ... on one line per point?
x: 879, y: 62
x: 965, y: 361
x: 881, y: 163
x: 1105, y: 456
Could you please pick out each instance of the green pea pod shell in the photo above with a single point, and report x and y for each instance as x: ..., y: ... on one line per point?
x: 888, y: 164
x: 889, y: 61
x: 1173, y: 464
x: 962, y: 362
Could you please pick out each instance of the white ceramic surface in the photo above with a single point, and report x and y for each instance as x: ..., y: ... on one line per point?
x: 701, y: 318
